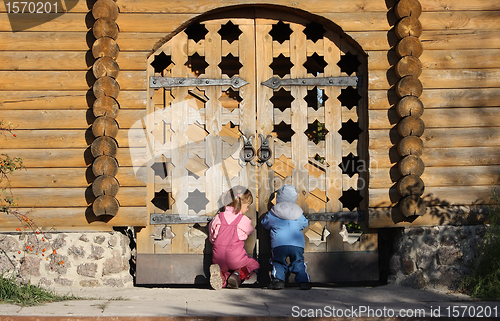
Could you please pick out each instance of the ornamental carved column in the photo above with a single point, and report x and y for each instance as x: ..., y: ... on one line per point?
x: 105, y: 128
x: 409, y: 107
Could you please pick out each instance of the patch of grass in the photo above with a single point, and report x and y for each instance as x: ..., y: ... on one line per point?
x: 484, y: 282
x: 28, y: 295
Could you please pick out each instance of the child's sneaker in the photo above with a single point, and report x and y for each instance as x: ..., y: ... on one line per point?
x: 276, y: 284
x: 215, y: 277
x: 234, y: 281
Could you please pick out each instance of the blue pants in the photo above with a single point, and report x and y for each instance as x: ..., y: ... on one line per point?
x: 297, y: 264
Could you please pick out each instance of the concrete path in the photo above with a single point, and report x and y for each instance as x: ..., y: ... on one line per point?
x: 142, y: 303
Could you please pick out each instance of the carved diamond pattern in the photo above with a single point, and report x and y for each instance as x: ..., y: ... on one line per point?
x: 316, y: 132
x: 161, y: 62
x: 230, y: 133
x: 230, y: 65
x: 196, y: 132
x: 196, y: 31
x: 283, y: 166
x: 196, y: 166
x: 197, y: 64
x: 284, y: 132
x: 315, y: 98
x: 350, y: 165
x: 314, y: 168
x: 350, y: 199
x: 230, y: 32
x: 349, y: 97
x: 282, y: 99
x: 281, y: 65
x: 230, y: 167
x: 230, y: 99
x: 317, y: 233
x: 316, y: 200
x: 350, y: 131
x: 161, y: 169
x: 349, y: 63
x: 161, y: 200
x: 315, y: 64
x: 314, y: 31
x: 281, y: 32
x: 196, y: 201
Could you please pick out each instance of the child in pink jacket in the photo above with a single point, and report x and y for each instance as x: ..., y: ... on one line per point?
x: 228, y: 231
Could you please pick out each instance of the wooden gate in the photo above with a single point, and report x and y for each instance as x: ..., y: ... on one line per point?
x: 255, y: 101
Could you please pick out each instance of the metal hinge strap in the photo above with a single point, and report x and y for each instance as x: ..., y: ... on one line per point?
x: 356, y: 216
x: 276, y: 82
x: 169, y: 82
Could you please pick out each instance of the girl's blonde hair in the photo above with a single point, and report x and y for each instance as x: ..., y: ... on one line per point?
x: 237, y: 196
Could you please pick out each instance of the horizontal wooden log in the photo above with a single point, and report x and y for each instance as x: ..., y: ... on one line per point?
x: 105, y: 66
x: 105, y: 9
x: 410, y: 145
x: 411, y: 165
x: 105, y: 185
x: 408, y: 8
x: 54, y: 139
x: 183, y: 6
x: 410, y: 185
x: 80, y: 217
x: 443, y: 79
x: 408, y: 26
x: 410, y: 106
x: 105, y: 47
x: 441, y: 118
x: 440, y: 137
x: 74, y: 157
x: 65, y: 80
x: 64, y: 119
x: 440, y: 176
x: 69, y: 177
x: 412, y: 205
x: 409, y: 46
x: 105, y: 165
x: 434, y: 216
x: 105, y: 126
x: 435, y: 196
x: 408, y: 66
x: 105, y: 27
x: 106, y: 86
x: 437, y: 98
x: 74, y: 197
x: 105, y: 205
x: 72, y: 100
x: 411, y: 126
x: 104, y: 145
x: 105, y: 106
x: 441, y: 157
x: 409, y: 86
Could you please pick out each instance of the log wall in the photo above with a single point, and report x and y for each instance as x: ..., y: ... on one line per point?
x: 46, y: 81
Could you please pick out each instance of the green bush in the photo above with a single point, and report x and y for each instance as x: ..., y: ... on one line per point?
x: 484, y: 281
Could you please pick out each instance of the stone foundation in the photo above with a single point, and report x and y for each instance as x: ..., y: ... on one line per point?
x: 84, y: 259
x: 433, y: 257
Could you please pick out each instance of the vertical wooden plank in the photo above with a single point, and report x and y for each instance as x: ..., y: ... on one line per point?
x: 247, y: 116
x: 145, y: 241
x: 213, y: 120
x: 179, y: 141
x: 264, y: 46
x: 298, y: 57
x: 333, y: 121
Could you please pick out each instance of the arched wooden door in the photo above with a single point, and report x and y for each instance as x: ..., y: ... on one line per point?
x: 258, y: 99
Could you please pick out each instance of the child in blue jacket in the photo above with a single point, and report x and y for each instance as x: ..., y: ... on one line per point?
x: 286, y: 221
